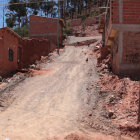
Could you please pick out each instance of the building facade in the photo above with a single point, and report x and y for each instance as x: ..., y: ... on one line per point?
x: 122, y: 36
x: 46, y: 28
x: 17, y: 53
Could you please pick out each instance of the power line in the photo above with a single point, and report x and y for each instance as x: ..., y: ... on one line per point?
x: 22, y: 3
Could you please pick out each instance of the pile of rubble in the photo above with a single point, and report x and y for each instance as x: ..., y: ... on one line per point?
x: 122, y: 94
x: 87, y: 31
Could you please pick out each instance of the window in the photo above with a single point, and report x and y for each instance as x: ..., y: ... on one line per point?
x: 11, y: 55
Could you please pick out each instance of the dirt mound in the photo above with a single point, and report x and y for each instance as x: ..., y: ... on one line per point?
x: 122, y: 100
x: 87, y: 31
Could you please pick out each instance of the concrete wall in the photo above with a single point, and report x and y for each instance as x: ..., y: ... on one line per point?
x: 130, y: 62
x: 46, y: 28
x: 8, y: 40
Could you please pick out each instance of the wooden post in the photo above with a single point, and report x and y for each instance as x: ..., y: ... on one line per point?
x: 139, y: 106
x: 3, y: 15
x: 58, y: 28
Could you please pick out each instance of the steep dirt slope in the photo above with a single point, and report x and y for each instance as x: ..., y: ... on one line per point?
x: 50, y: 105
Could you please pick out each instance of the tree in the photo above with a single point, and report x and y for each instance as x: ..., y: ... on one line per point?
x: 10, y: 19
x: 35, y: 6
x: 48, y: 8
x: 18, y: 10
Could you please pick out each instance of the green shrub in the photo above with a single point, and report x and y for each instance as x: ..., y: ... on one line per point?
x: 67, y: 24
x: 68, y: 32
x: 95, y: 13
x: 22, y: 31
x: 83, y: 27
x: 83, y: 18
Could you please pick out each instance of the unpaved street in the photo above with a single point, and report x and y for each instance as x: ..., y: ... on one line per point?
x: 48, y: 106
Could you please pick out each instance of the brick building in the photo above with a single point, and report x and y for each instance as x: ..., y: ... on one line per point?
x: 8, y: 51
x: 46, y: 28
x: 122, y: 35
x: 17, y: 52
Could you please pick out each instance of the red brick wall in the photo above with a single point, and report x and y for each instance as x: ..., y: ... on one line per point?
x: 8, y: 40
x: 45, y: 28
x: 26, y: 51
x: 131, y: 11
x: 114, y: 11
x: 131, y: 48
x: 32, y: 49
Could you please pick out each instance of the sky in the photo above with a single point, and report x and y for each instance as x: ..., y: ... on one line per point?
x: 1, y: 11
x: 2, y: 2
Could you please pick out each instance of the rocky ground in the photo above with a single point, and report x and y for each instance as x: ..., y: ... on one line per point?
x: 73, y: 96
x: 87, y: 31
x: 122, y: 96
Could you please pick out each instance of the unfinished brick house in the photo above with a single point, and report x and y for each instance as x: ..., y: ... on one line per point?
x: 122, y: 35
x: 46, y: 28
x: 8, y: 51
x: 17, y: 52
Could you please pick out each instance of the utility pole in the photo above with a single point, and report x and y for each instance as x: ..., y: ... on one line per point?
x: 3, y: 16
x: 58, y: 27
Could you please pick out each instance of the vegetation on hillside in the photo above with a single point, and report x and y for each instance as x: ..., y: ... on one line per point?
x: 17, y: 16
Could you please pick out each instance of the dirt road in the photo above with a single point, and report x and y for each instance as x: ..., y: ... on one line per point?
x: 48, y: 106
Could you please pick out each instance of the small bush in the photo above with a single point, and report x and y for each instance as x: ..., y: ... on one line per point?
x: 22, y: 31
x: 83, y: 27
x: 95, y: 13
x: 68, y: 32
x: 83, y: 18
x: 67, y: 24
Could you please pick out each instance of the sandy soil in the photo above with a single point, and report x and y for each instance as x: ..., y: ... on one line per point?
x: 51, y: 105
x: 122, y: 95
